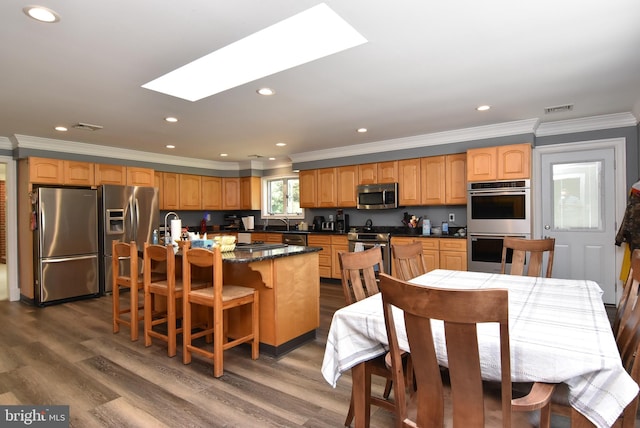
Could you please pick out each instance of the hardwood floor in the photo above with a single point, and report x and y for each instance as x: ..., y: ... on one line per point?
x: 67, y: 354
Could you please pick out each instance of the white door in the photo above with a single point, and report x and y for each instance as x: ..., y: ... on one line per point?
x: 579, y: 208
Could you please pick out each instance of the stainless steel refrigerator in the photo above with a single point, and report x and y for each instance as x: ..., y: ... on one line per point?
x: 66, y: 244
x: 127, y: 213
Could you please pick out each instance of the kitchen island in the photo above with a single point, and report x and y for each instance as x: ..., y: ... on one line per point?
x: 288, y: 280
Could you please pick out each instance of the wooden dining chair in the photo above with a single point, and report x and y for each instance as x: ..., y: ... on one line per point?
x: 358, y: 273
x: 460, y: 311
x: 218, y: 298
x: 535, y: 248
x: 126, y: 274
x: 408, y: 260
x: 628, y: 342
x: 160, y: 280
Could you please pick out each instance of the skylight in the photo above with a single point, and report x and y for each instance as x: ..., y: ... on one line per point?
x: 305, y: 37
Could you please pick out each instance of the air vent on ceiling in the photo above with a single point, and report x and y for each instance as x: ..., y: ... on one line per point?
x: 87, y: 126
x: 558, y: 109
x: 256, y: 156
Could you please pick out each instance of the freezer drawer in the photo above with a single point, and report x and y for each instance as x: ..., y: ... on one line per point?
x: 67, y: 278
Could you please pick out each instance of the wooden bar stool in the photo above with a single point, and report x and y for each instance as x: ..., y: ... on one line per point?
x: 126, y: 274
x: 218, y: 298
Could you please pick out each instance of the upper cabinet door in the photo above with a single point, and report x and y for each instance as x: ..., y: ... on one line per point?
x: 482, y: 164
x: 250, y: 193
x: 111, y: 174
x: 327, y: 188
x: 140, y: 176
x: 211, y: 193
x: 171, y: 190
x: 409, y: 182
x: 46, y: 171
x: 433, y: 180
x: 388, y: 172
x: 308, y: 188
x: 456, y: 179
x: 231, y: 193
x: 347, y: 182
x: 79, y: 173
x: 514, y: 161
x: 190, y: 192
x: 368, y: 173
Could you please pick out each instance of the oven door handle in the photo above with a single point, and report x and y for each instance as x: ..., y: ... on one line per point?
x: 494, y: 193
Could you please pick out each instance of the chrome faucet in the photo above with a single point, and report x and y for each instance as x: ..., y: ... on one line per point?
x: 166, y: 232
x: 285, y: 221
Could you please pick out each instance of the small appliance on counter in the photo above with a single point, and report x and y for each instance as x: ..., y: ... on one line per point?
x: 368, y: 226
x: 317, y: 223
x: 233, y: 222
x: 328, y: 226
x: 342, y: 221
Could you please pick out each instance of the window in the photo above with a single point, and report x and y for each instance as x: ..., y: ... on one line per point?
x: 281, y: 198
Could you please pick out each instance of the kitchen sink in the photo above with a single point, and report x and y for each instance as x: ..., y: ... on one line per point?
x: 262, y: 246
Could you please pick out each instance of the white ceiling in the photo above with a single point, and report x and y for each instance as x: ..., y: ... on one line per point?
x: 425, y: 68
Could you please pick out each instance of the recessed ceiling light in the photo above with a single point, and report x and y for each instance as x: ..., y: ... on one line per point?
x: 171, y: 119
x: 170, y: 146
x: 362, y: 130
x: 223, y: 155
x: 61, y: 128
x: 272, y: 158
x: 42, y: 14
x: 266, y: 91
x: 281, y: 144
x: 312, y: 34
x: 483, y: 107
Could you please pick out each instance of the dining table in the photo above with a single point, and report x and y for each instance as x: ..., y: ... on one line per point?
x: 559, y: 332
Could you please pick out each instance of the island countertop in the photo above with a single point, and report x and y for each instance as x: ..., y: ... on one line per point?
x: 244, y: 256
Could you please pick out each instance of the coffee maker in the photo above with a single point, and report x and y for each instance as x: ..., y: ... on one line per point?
x: 342, y: 221
x: 317, y: 223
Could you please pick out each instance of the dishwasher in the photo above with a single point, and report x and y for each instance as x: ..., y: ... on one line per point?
x: 295, y: 239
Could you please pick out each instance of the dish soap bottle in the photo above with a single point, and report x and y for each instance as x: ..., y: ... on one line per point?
x: 203, y: 226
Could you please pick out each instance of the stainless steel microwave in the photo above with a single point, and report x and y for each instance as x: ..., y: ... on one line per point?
x: 377, y: 196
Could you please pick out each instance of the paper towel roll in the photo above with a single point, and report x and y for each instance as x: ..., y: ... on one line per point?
x: 176, y: 230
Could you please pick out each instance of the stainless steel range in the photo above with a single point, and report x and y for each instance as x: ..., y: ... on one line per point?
x: 366, y: 240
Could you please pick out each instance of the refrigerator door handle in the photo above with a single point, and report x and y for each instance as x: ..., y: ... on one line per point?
x: 42, y: 225
x: 68, y: 259
x: 137, y: 208
x: 133, y: 225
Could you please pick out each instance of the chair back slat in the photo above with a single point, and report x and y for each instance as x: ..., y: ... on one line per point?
x: 358, y: 273
x: 408, y: 260
x: 535, y: 249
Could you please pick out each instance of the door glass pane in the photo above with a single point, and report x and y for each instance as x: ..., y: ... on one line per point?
x: 577, y: 197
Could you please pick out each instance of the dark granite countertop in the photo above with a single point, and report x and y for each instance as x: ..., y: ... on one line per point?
x: 243, y: 256
x: 397, y: 231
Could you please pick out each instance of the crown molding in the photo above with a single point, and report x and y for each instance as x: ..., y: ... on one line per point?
x: 62, y: 146
x: 593, y: 123
x: 526, y: 126
x: 5, y: 144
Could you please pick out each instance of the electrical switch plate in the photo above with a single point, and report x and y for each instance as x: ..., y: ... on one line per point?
x: 452, y: 217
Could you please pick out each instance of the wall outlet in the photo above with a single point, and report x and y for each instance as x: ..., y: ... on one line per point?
x: 452, y: 217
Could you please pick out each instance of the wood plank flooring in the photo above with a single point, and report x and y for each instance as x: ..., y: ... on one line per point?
x: 67, y: 354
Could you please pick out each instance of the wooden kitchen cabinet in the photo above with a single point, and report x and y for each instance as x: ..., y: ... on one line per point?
x: 250, y: 193
x: 111, y: 174
x: 324, y: 260
x: 78, y: 173
x: 409, y: 182
x: 338, y: 243
x: 327, y: 188
x: 308, y: 180
x: 230, y: 193
x: 171, y: 191
x: 430, y: 250
x: 368, y: 173
x: 347, y: 177
x: 453, y: 254
x: 388, y: 172
x: 190, y: 192
x: 157, y: 182
x: 211, y: 193
x: 45, y: 171
x: 433, y: 180
x: 140, y: 176
x: 456, y: 179
x: 499, y: 163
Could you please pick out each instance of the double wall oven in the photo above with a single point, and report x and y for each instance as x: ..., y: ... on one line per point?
x: 495, y: 210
